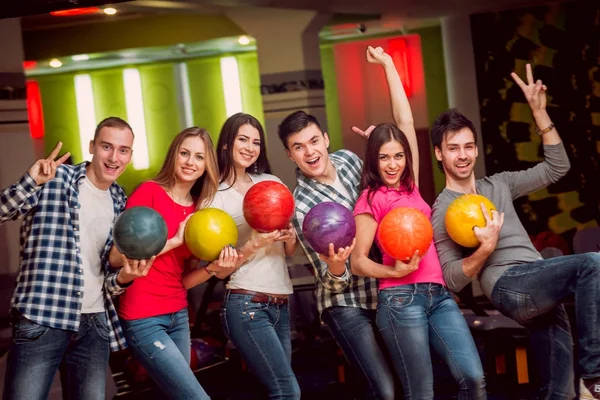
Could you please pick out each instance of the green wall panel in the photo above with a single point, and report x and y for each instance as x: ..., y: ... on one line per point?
x: 60, y: 114
x: 332, y: 108
x: 161, y: 111
x: 250, y: 85
x: 435, y: 86
x: 206, y: 92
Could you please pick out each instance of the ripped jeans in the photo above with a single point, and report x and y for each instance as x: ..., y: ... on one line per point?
x: 162, y: 345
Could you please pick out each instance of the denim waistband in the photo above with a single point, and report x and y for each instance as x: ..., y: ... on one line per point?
x: 416, y: 288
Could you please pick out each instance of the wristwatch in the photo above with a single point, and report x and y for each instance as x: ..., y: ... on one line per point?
x: 211, y: 272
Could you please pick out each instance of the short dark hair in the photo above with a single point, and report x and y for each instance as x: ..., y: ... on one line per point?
x: 449, y: 121
x: 112, y: 122
x: 294, y: 123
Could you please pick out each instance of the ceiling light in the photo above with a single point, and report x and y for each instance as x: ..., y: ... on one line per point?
x: 55, y: 63
x: 80, y: 57
x: 110, y: 11
x: 244, y: 40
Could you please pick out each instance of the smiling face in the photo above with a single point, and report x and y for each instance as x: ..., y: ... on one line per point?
x: 246, y: 146
x: 458, y: 153
x: 111, y: 151
x: 308, y: 149
x: 190, y: 162
x: 392, y: 162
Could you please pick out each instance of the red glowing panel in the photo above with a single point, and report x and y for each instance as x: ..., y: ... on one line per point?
x: 397, y: 49
x: 29, y: 64
x: 34, y: 110
x: 75, y: 11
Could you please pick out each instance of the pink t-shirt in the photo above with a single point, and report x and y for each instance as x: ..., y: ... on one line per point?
x: 383, y: 201
x: 161, y: 291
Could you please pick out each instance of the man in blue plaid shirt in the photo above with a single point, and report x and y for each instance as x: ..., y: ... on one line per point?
x: 62, y: 308
x: 347, y: 303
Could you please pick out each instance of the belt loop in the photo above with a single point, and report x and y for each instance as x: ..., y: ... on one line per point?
x: 415, y: 288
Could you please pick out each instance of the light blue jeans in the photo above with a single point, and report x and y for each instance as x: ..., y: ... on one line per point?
x: 411, y: 318
x: 532, y: 294
x: 261, y: 333
x: 162, y: 345
x: 37, y: 351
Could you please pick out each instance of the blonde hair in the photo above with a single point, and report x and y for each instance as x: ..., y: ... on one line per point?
x: 206, y: 186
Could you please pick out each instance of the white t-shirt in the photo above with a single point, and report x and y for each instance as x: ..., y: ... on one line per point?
x: 268, y: 271
x: 339, y: 186
x: 95, y: 219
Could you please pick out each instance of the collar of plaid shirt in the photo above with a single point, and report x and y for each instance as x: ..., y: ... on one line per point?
x: 50, y: 281
x: 355, y: 291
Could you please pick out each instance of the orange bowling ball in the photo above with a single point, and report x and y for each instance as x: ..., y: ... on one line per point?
x: 403, y: 231
x: 463, y: 215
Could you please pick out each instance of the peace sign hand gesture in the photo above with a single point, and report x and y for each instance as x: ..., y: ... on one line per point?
x: 44, y: 169
x: 534, y: 91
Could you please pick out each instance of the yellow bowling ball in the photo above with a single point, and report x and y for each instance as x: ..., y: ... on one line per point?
x: 208, y: 231
x: 463, y: 215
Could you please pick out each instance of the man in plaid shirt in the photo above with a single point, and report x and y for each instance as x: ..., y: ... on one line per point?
x: 62, y: 307
x: 347, y: 303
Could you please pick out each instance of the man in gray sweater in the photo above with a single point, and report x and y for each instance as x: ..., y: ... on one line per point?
x: 512, y: 274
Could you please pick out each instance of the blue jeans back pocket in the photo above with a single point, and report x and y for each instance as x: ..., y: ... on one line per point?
x: 516, y: 305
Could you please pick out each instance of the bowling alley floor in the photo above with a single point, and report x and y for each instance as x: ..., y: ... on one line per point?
x: 316, y: 367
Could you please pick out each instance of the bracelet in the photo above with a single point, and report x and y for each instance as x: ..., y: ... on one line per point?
x: 545, y: 130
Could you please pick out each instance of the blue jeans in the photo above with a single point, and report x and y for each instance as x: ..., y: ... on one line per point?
x: 36, y: 352
x: 355, y: 331
x: 261, y: 334
x: 162, y: 345
x: 532, y: 295
x: 411, y: 318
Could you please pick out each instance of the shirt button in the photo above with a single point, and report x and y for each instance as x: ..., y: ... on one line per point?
x: 78, y: 293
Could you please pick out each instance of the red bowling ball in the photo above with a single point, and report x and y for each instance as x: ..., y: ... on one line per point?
x: 268, y: 206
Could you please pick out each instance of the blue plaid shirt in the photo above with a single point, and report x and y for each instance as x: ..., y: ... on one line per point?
x: 348, y: 290
x: 50, y: 281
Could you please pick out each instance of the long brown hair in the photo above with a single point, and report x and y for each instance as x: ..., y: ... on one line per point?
x: 206, y: 186
x: 370, y: 178
x: 229, y: 132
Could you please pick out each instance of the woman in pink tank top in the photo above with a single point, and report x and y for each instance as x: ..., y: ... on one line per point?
x: 415, y: 310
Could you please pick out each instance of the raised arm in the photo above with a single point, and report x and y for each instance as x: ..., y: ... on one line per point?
x: 16, y: 200
x: 556, y: 162
x: 400, y: 106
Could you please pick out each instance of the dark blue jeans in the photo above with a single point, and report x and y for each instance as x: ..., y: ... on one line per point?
x: 532, y: 294
x: 355, y: 331
x: 261, y: 333
x: 162, y: 345
x: 411, y: 318
x: 37, y: 351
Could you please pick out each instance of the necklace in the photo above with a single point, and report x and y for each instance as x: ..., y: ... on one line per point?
x: 176, y: 204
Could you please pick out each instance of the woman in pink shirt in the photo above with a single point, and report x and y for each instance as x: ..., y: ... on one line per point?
x: 153, y: 312
x: 415, y: 309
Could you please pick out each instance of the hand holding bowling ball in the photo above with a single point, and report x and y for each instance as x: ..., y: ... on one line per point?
x: 465, y: 214
x: 268, y: 206
x: 287, y: 235
x: 403, y: 231
x: 328, y: 223
x: 140, y: 233
x: 403, y: 268
x: 208, y: 231
x: 133, y: 269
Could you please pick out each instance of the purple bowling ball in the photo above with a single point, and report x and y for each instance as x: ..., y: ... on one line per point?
x: 326, y: 223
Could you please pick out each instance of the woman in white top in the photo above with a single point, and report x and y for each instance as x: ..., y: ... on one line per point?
x: 255, y: 313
